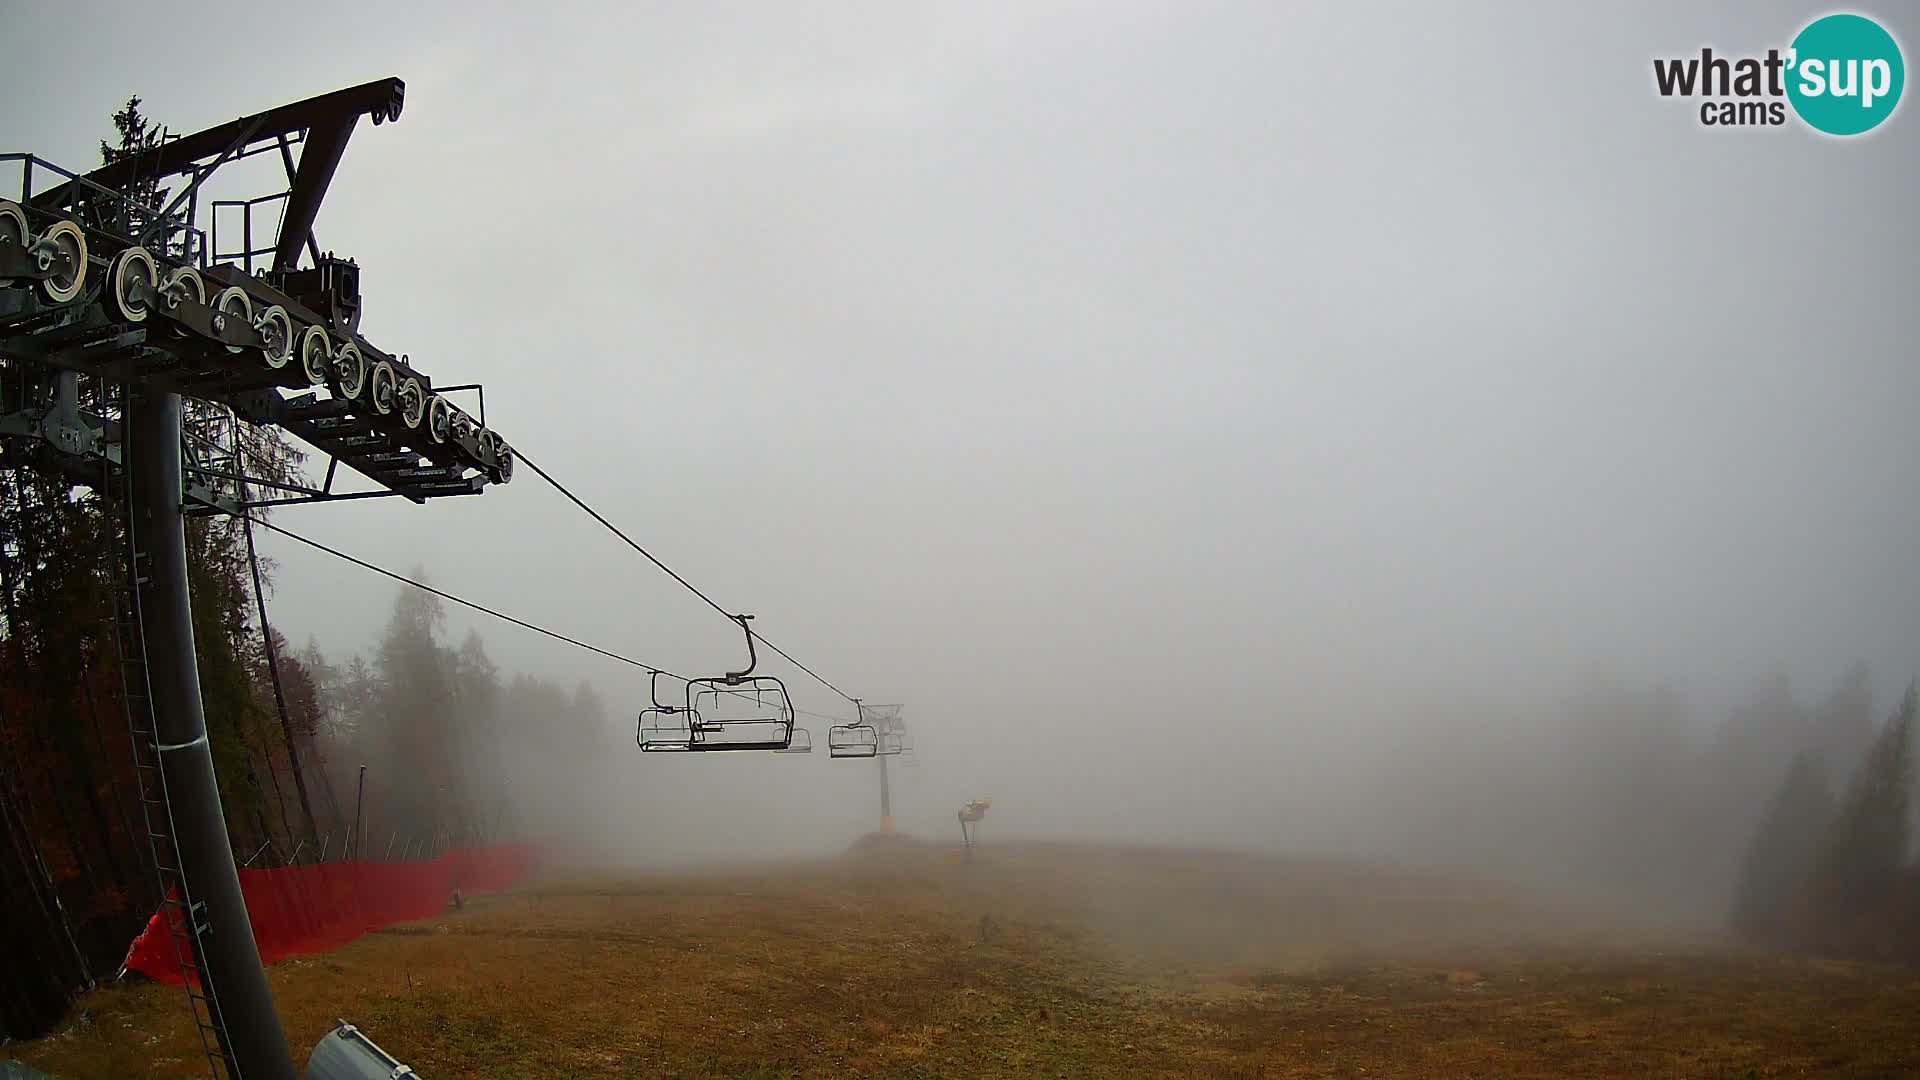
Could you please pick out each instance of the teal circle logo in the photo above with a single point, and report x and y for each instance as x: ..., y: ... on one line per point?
x: 1845, y: 74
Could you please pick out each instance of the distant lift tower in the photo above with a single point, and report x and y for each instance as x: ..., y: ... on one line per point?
x: 114, y: 311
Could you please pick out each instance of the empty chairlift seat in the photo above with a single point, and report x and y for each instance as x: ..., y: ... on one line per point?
x: 735, y: 711
x: 852, y: 741
x: 664, y: 729
x: 746, y: 713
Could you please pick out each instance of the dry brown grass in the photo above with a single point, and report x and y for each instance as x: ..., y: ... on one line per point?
x: 1090, y: 962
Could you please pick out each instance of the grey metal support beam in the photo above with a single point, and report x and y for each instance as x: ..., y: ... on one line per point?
x: 318, y: 159
x: 227, y: 952
x: 381, y: 99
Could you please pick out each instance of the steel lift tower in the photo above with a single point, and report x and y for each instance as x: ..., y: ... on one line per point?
x: 133, y: 354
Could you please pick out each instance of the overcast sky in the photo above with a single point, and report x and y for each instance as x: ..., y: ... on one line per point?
x: 1218, y: 377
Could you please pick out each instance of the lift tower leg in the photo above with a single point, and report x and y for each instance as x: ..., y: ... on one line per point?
x: 227, y: 952
x: 886, y: 799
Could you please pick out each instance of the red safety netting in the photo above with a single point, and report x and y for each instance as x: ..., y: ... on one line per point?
x: 304, y: 910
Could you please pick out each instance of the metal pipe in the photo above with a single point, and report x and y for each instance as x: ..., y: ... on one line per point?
x: 273, y: 659
x: 359, y: 821
x: 227, y: 953
x: 244, y: 481
x: 324, y: 497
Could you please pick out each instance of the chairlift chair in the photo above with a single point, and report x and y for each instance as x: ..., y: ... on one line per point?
x: 664, y: 729
x: 664, y: 726
x: 768, y: 724
x: 860, y: 739
x: 718, y: 708
x: 712, y: 710
x: 852, y: 741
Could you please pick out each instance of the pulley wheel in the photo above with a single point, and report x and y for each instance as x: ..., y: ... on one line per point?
x: 13, y: 230
x: 234, y: 303
x: 316, y: 354
x: 184, y: 284
x: 349, y: 371
x: 179, y: 286
x: 276, y: 327
x: 64, y: 247
x: 439, y: 419
x: 413, y: 403
x: 131, y: 281
x: 385, y: 385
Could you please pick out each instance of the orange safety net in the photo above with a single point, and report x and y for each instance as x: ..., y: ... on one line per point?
x: 306, y: 910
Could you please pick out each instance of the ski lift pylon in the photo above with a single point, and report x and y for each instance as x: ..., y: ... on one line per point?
x: 889, y: 729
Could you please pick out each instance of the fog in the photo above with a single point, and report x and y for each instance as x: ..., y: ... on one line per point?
x: 1222, y: 425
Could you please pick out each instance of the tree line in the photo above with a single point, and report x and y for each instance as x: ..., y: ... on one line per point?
x: 1787, y: 819
x: 455, y: 752
x: 1832, y: 871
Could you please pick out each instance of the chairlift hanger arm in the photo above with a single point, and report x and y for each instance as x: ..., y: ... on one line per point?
x: 653, y: 690
x: 752, y: 660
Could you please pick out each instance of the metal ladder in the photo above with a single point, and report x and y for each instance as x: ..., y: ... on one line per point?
x: 184, y: 917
